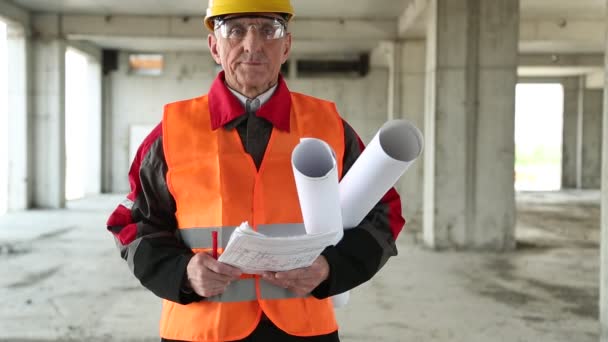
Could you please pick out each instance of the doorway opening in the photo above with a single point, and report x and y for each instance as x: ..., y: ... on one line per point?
x: 538, y: 136
x: 82, y: 125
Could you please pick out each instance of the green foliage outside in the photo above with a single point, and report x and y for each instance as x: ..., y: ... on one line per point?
x: 539, y: 155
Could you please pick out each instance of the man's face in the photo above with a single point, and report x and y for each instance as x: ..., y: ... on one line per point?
x: 249, y: 55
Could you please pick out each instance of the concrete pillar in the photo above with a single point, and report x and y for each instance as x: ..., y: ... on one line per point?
x: 604, y: 215
x: 572, y: 144
x: 394, y: 80
x: 49, y: 112
x: 293, y: 68
x: 412, y: 78
x: 469, y: 124
x: 106, y: 134
x: 592, y: 139
x: 18, y: 118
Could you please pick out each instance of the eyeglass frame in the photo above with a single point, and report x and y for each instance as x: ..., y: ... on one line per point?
x: 220, y: 21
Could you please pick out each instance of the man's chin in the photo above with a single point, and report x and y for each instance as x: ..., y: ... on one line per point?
x: 254, y: 80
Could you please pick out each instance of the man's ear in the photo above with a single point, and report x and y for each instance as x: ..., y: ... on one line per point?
x: 286, y: 48
x: 212, y: 42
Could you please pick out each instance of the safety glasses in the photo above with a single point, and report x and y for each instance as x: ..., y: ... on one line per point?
x: 236, y: 28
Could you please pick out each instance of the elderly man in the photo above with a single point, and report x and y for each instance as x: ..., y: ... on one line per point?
x: 224, y: 158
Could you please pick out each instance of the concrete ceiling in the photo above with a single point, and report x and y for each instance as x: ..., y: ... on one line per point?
x: 303, y: 8
x: 548, y: 26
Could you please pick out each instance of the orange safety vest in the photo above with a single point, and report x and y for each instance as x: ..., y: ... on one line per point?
x: 216, y: 187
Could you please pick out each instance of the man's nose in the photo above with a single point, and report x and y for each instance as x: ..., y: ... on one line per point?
x: 253, y: 41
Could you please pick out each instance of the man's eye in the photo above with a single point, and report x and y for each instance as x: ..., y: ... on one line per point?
x: 267, y: 30
x: 236, y: 31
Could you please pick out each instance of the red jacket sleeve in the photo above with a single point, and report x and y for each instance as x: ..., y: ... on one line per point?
x: 144, y: 226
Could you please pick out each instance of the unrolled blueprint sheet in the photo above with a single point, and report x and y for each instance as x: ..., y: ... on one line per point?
x: 254, y: 253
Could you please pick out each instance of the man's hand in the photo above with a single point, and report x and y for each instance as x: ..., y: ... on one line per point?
x: 301, y: 281
x: 209, y: 277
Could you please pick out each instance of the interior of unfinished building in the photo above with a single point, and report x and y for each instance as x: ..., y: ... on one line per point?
x: 507, y: 226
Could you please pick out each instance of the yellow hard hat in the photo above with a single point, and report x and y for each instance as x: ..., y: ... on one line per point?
x: 224, y: 7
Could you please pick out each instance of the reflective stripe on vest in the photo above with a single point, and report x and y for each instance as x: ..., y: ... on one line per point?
x: 243, y: 290
x: 201, y: 238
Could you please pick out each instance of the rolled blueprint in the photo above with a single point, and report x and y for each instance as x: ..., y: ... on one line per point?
x: 316, y: 174
x: 394, y: 148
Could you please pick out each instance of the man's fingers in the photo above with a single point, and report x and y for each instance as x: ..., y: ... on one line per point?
x: 217, y: 277
x: 293, y: 274
x: 274, y: 281
x: 299, y: 291
x: 301, y: 281
x: 221, y: 268
x: 210, y: 292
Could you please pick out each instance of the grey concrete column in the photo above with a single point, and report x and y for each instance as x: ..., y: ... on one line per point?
x: 469, y: 124
x: 394, y: 80
x: 49, y: 112
x: 106, y: 135
x: 18, y: 118
x: 604, y: 216
x: 412, y: 78
x: 571, y: 142
x: 592, y: 139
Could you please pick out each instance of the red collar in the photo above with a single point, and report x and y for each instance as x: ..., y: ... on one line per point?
x: 225, y: 107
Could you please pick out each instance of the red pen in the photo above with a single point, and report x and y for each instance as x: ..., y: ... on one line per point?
x: 214, y: 237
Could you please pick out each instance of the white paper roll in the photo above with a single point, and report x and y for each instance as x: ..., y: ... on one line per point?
x: 316, y: 176
x: 394, y: 148
x: 341, y: 299
x: 392, y: 151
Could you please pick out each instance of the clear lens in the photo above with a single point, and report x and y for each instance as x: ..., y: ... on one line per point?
x: 237, y: 28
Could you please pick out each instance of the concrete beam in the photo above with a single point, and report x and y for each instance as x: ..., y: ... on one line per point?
x: 299, y: 48
x: 595, y: 80
x: 564, y: 29
x: 561, y: 60
x: 186, y: 27
x: 540, y: 79
x: 411, y: 22
x: 89, y: 49
x: 561, y: 30
x: 15, y: 13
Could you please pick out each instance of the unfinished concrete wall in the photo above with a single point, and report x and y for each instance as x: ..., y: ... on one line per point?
x: 139, y: 100
x: 362, y: 101
x: 592, y: 139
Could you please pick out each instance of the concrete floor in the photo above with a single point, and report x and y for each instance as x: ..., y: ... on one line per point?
x: 61, y: 279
